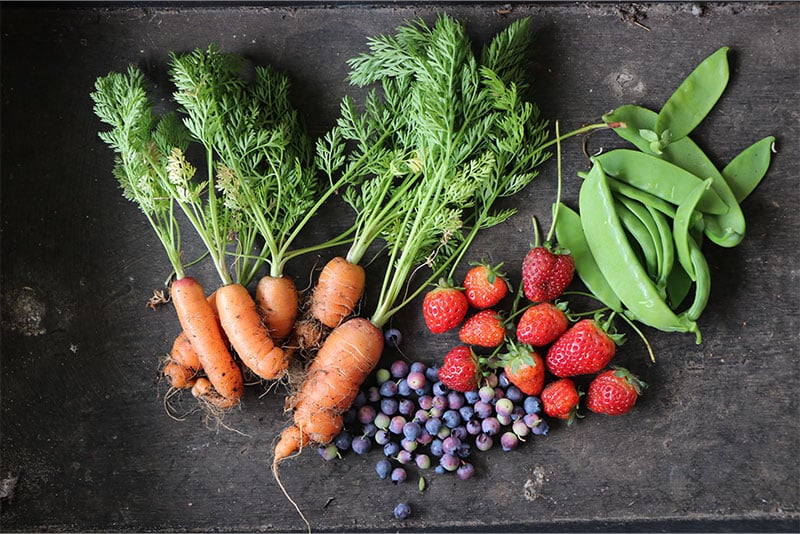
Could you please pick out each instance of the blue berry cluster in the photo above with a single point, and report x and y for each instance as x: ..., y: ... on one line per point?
x: 417, y: 420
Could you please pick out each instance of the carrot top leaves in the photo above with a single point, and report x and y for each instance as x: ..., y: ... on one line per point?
x: 143, y: 144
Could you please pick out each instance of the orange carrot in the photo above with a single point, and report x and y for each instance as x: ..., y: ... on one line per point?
x: 339, y: 288
x: 202, y: 389
x: 248, y: 335
x: 182, y: 351
x: 332, y: 382
x: 179, y: 376
x: 202, y: 328
x: 277, y: 301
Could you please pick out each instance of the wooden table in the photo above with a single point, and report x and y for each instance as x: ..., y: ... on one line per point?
x: 85, y: 436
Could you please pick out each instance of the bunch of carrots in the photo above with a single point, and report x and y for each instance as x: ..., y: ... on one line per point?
x: 443, y: 134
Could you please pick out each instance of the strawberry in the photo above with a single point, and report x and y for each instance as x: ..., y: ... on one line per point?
x: 460, y: 370
x: 560, y: 399
x: 484, y: 329
x: 542, y: 324
x: 614, y: 392
x: 444, y: 307
x: 485, y: 286
x: 585, y: 348
x: 524, y: 368
x: 546, y: 273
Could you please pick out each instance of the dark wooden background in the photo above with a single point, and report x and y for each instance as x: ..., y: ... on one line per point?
x: 712, y: 446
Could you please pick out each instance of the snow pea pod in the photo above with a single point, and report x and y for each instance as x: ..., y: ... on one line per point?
x: 651, y: 252
x: 569, y: 234
x: 681, y: 224
x: 664, y: 250
x: 658, y: 177
x: 651, y: 201
x: 678, y: 286
x: 702, y: 288
x: 668, y: 247
x: 694, y: 97
x: 725, y: 229
x: 616, y: 259
x: 746, y: 170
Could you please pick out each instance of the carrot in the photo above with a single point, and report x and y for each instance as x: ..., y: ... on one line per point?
x: 179, y: 376
x: 183, y: 354
x: 338, y: 290
x: 248, y: 335
x: 202, y: 389
x: 277, y: 301
x: 332, y: 382
x: 200, y: 324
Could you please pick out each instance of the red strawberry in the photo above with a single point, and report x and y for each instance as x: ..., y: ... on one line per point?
x: 484, y: 329
x: 614, y: 392
x: 444, y: 308
x: 485, y: 286
x: 524, y: 368
x: 542, y: 324
x: 586, y: 348
x: 460, y: 370
x: 560, y: 399
x: 546, y: 273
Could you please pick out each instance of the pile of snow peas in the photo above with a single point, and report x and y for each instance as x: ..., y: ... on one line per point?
x: 646, y: 212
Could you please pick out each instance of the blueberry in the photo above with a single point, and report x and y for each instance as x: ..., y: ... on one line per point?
x: 443, y: 432
x: 391, y: 449
x: 440, y: 402
x: 520, y: 428
x: 436, y: 412
x: 399, y: 368
x: 425, y: 402
x: 393, y: 337
x: 464, y: 450
x: 369, y: 430
x: 382, y: 437
x: 514, y: 394
x: 418, y: 367
x: 328, y: 452
x: 343, y: 440
x: 349, y: 417
x: 373, y: 394
x: 498, y: 393
x: 473, y: 427
x: 532, y: 404
x: 398, y: 475
x: 388, y: 388
x: 503, y: 419
x: 406, y: 407
x: 492, y: 380
x: 486, y: 393
x: 436, y: 447
x: 404, y: 456
x: 366, y: 414
x: 466, y: 412
x: 424, y: 438
x: 432, y: 374
x: 541, y: 429
x: 383, y: 468
x: 451, y: 418
x: 460, y: 432
x: 483, y: 409
x: 449, y: 461
x: 509, y: 441
x: 426, y: 389
x: 518, y: 412
x: 361, y: 444
x: 439, y: 389
x: 403, y: 388
x: 450, y: 444
x: 423, y: 461
x: 455, y: 400
x: 396, y: 424
x: 483, y: 442
x: 382, y: 375
x: 433, y: 425
x: 402, y: 511
x: 360, y: 400
x: 415, y: 380
x: 504, y: 407
x: 472, y: 396
x: 502, y: 380
x: 389, y: 406
x: 465, y: 471
x: 382, y: 420
x: 490, y: 426
x: 440, y: 470
x: 409, y: 445
x: 411, y: 430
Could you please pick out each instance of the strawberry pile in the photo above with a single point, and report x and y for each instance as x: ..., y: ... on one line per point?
x: 541, y: 347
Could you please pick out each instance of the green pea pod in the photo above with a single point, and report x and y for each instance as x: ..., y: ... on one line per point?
x: 621, y: 188
x: 702, y: 288
x: 617, y: 261
x: 639, y: 210
x: 746, y: 170
x: 681, y: 224
x: 694, y: 98
x: 651, y: 253
x: 678, y: 286
x: 658, y: 177
x: 726, y: 229
x: 569, y: 234
x: 668, y: 247
x: 636, y: 119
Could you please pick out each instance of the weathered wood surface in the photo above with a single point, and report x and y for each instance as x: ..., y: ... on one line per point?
x: 712, y: 446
